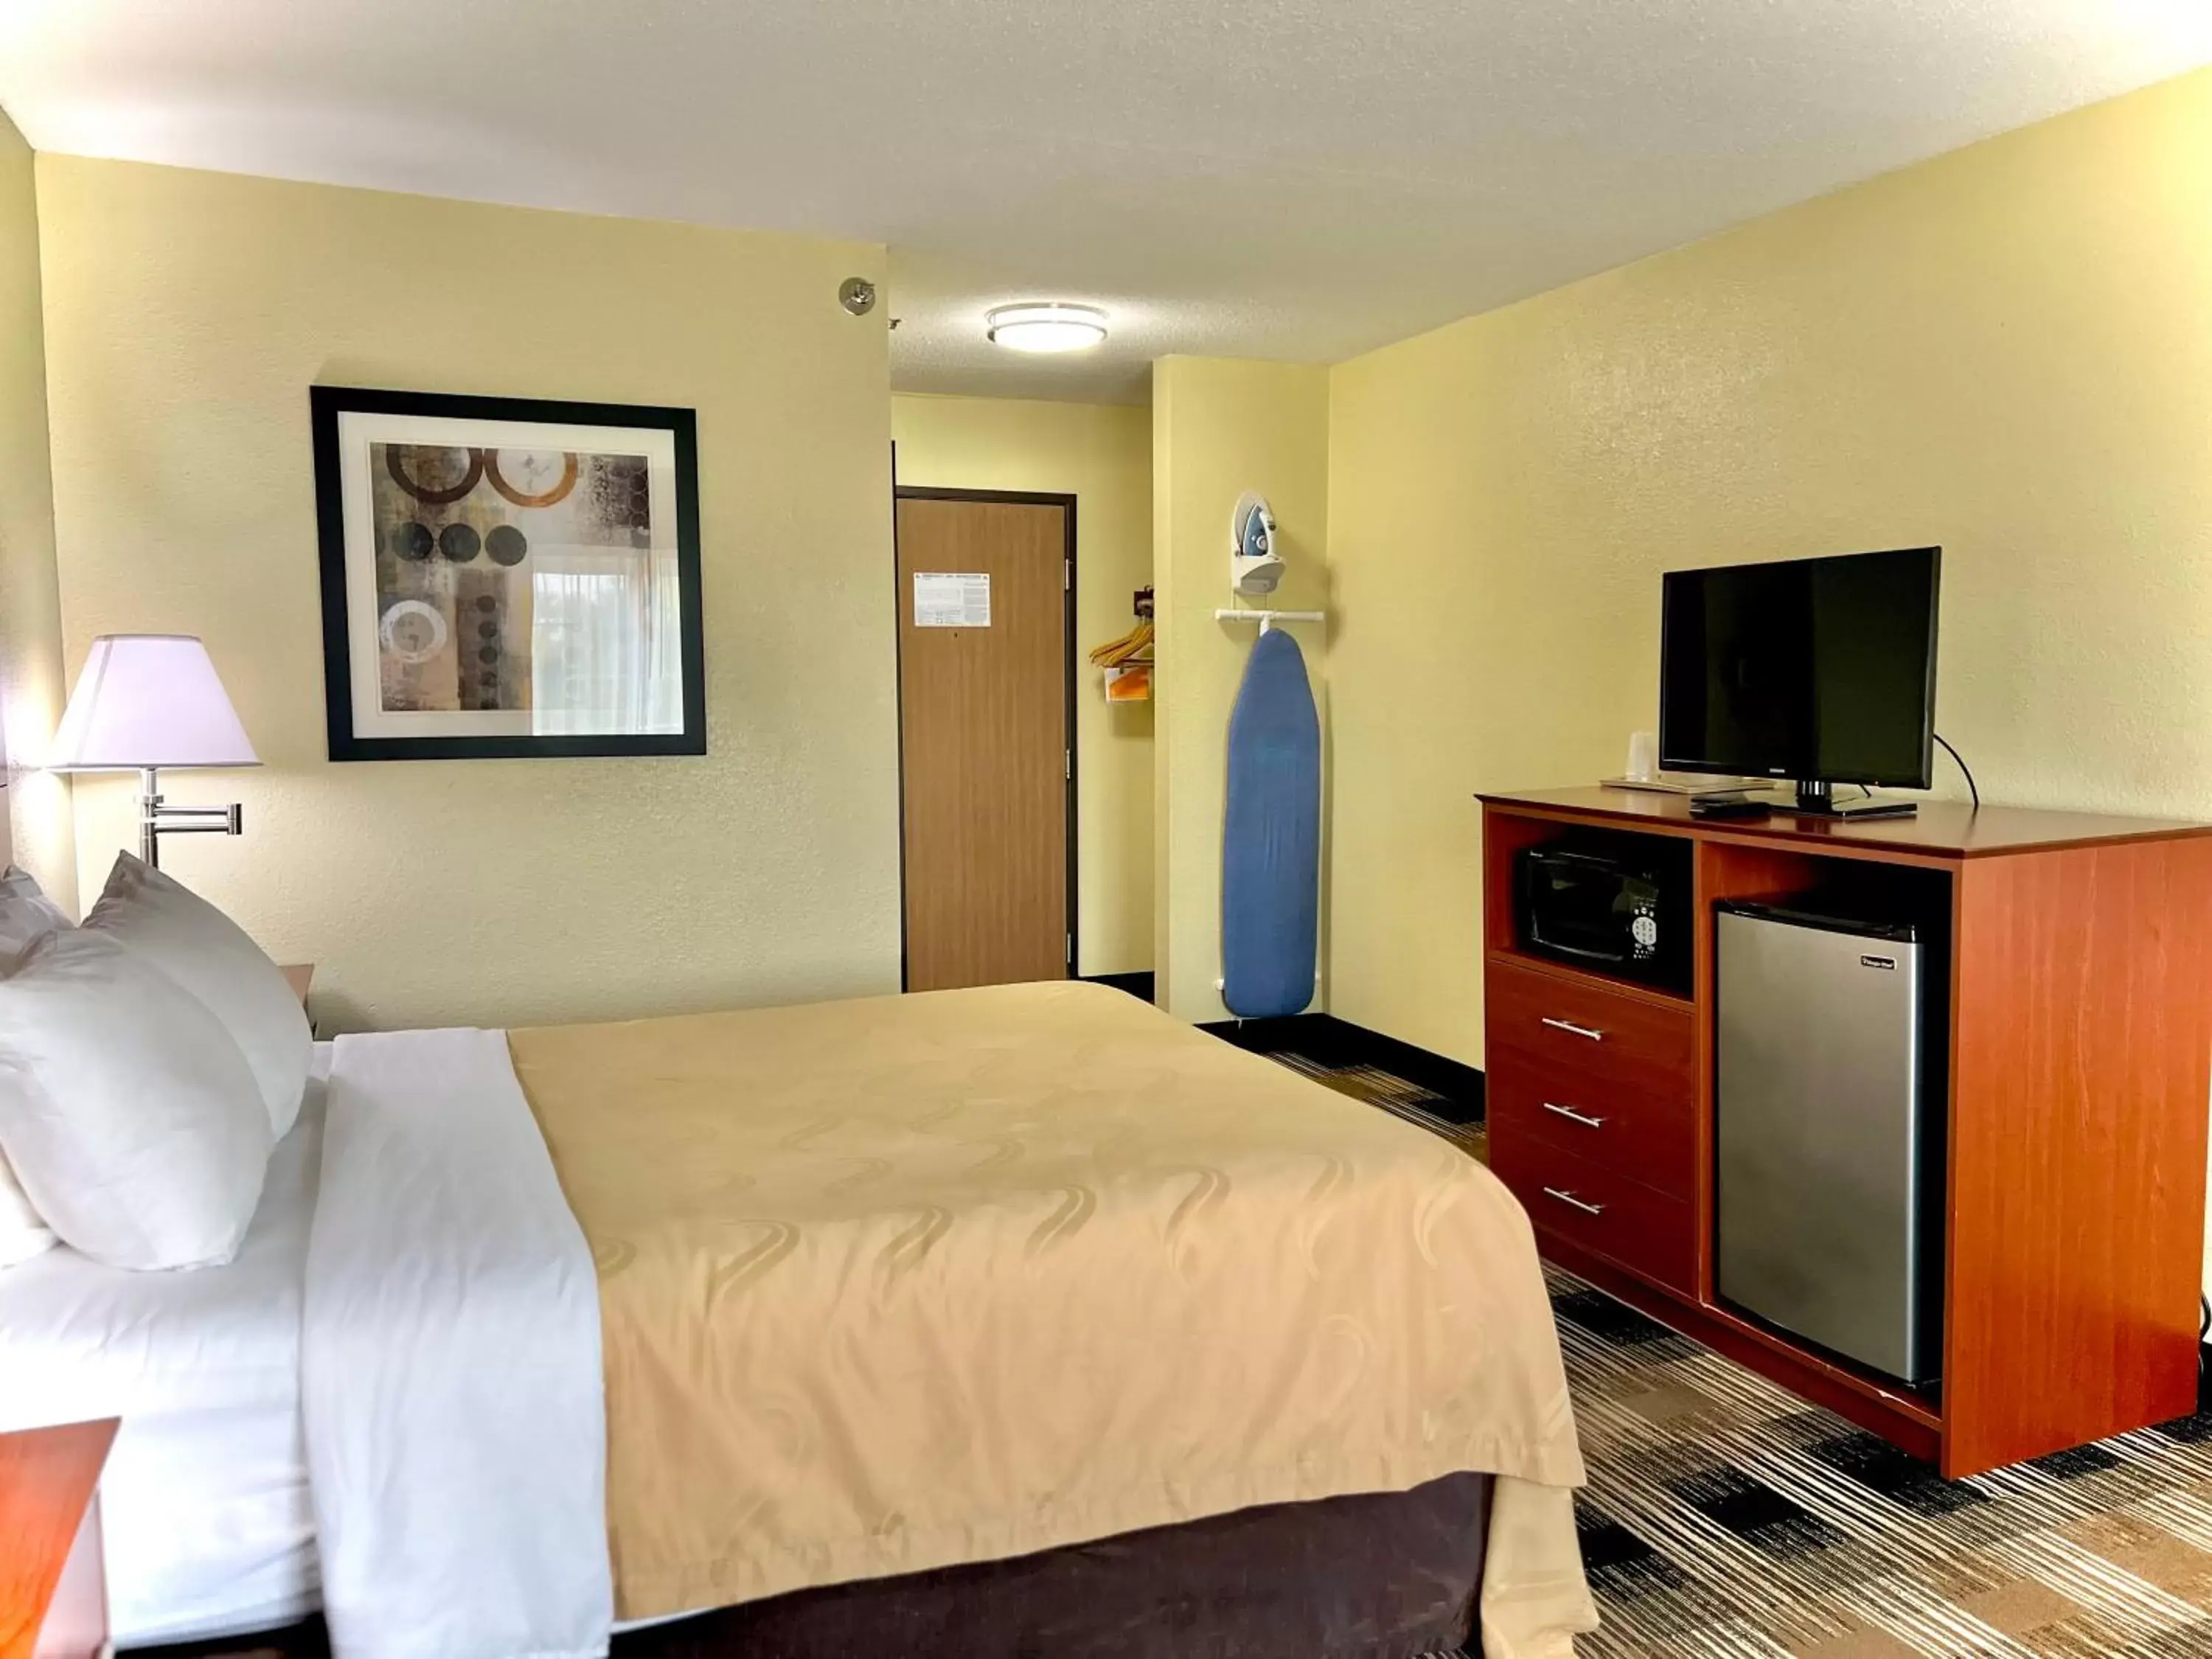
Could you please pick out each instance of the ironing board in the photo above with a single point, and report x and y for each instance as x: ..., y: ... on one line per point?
x: 1271, y: 836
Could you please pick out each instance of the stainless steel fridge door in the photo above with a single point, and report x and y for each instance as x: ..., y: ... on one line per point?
x: 1819, y: 1149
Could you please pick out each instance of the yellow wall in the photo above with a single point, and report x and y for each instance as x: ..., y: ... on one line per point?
x: 1221, y: 427
x: 187, y: 313
x: 31, y: 690
x: 2007, y: 350
x: 1102, y: 455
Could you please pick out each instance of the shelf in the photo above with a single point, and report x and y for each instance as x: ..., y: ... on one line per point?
x: 1941, y: 831
x: 1655, y: 994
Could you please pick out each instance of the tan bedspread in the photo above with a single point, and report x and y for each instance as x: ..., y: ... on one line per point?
x: 908, y: 1282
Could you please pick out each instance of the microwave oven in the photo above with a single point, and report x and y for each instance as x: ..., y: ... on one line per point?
x: 1615, y: 908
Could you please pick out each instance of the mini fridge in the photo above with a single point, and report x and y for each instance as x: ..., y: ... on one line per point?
x: 1829, y: 1119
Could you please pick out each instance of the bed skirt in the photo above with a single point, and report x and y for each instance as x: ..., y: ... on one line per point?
x: 1371, y: 1576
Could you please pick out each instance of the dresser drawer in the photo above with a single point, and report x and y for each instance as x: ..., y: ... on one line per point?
x: 1601, y: 1211
x: 1648, y: 1138
x: 1611, y: 1039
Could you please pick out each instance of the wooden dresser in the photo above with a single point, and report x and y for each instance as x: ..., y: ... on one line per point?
x: 2079, y: 1013
x: 53, y: 1592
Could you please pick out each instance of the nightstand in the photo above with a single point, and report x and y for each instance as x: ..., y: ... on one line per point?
x: 54, y: 1588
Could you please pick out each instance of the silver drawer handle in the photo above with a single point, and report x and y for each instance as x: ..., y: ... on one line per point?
x: 1573, y: 1030
x: 1569, y: 1198
x: 1572, y: 1115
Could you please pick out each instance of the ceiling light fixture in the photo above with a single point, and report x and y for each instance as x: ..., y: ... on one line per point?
x: 1046, y: 326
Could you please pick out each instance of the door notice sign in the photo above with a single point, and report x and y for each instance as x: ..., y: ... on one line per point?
x: 952, y: 598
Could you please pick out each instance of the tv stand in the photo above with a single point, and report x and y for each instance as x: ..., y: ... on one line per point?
x: 2079, y: 1058
x: 1816, y: 799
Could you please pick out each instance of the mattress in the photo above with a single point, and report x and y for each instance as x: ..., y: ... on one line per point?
x: 205, y: 1504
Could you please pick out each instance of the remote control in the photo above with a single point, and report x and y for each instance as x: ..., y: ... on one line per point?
x: 1723, y: 806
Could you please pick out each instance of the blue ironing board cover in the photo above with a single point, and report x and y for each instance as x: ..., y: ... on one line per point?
x: 1271, y: 836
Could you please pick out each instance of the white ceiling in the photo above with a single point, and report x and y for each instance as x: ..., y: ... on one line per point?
x: 1296, y: 178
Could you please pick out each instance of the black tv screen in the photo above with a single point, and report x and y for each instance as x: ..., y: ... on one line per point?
x: 1809, y: 668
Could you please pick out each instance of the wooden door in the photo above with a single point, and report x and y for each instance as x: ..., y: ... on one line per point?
x: 987, y: 769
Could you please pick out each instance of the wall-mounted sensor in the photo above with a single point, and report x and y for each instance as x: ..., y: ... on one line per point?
x: 1255, y: 567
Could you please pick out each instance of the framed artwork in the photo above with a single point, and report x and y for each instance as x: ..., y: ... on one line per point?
x: 505, y: 577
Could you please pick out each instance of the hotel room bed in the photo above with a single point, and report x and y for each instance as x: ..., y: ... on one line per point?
x: 1003, y: 1318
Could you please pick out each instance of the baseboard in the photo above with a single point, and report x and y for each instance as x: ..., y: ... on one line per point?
x: 1139, y: 986
x: 1335, y: 1042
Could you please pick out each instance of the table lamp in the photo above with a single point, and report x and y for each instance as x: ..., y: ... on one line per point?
x: 143, y: 701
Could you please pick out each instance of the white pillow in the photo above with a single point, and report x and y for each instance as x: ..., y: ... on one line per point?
x: 209, y: 954
x: 130, y: 1117
x: 27, y: 915
x: 23, y: 1234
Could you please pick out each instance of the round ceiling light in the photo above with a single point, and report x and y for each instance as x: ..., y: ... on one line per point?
x: 1042, y: 326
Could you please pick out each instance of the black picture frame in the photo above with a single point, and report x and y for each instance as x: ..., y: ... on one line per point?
x: 328, y: 403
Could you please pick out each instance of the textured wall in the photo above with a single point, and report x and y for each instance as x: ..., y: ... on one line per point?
x: 1102, y: 455
x: 187, y: 315
x: 1221, y: 427
x: 31, y: 689
x: 2007, y: 350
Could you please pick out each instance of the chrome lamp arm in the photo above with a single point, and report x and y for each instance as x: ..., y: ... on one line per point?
x: 157, y: 820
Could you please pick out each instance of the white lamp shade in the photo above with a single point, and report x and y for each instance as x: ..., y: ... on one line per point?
x: 148, y: 700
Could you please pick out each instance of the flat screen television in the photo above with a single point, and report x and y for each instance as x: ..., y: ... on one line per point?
x: 1820, y: 671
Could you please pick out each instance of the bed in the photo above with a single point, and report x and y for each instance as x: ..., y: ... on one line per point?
x: 1024, y: 1319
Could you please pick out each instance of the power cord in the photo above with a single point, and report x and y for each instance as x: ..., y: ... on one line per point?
x: 1963, y: 767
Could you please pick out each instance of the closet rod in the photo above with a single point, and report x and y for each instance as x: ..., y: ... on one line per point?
x: 1267, y: 619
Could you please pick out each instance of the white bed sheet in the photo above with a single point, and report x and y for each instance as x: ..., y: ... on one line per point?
x: 456, y: 1429
x: 205, y: 1505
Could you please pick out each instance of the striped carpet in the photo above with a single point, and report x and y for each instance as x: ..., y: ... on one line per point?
x: 1726, y: 1518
